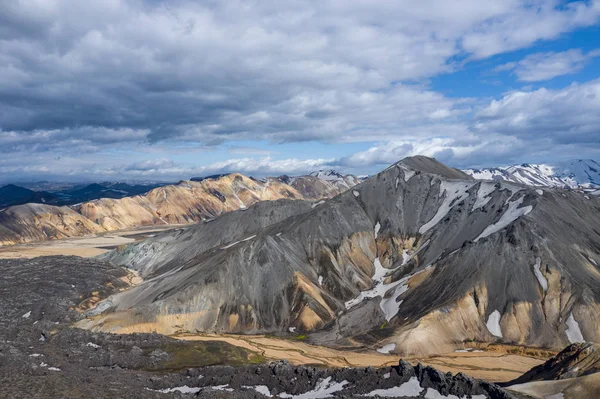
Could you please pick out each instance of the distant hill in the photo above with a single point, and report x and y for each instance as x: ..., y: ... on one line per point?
x: 15, y: 195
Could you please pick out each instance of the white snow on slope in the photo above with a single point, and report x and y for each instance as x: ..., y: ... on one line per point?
x: 486, y: 174
x: 242, y: 205
x: 324, y: 389
x: 261, y: 389
x: 386, y: 349
x: 540, y: 192
x: 316, y: 204
x: 356, y: 193
x: 573, y: 331
x: 26, y: 315
x: 483, y: 195
x: 410, y: 389
x: 376, y: 229
x: 575, y: 174
x: 538, y: 273
x: 222, y: 388
x: 454, y: 192
x: 510, y: 215
x: 389, y: 306
x: 182, y: 389
x: 407, y: 173
x: 493, y: 324
x: 237, y: 242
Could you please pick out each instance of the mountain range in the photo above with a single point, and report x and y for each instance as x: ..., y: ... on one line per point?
x: 577, y: 174
x: 416, y: 260
x: 181, y: 203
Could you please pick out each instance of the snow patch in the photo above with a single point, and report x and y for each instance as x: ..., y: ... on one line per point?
x: 320, y: 280
x: 540, y: 192
x: 261, y: 389
x: 316, y: 204
x: 221, y: 388
x: 410, y: 389
x: 292, y: 329
x: 182, y: 389
x: 387, y: 375
x: 376, y: 229
x: 386, y: 349
x: 242, y: 205
x: 389, y: 306
x: 356, y: 193
x: 407, y: 173
x: 493, y: 324
x: 573, y: 331
x: 454, y: 192
x: 36, y: 355
x: 92, y: 345
x: 324, y: 389
x: 512, y: 213
x: 538, y: 273
x: 53, y: 369
x: 483, y: 195
x: 237, y: 242
x: 26, y: 315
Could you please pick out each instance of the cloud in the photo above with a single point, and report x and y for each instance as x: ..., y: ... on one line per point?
x: 94, y: 82
x: 569, y: 115
x: 219, y: 72
x: 545, y: 66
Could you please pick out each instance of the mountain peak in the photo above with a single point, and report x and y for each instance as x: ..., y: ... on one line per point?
x: 432, y: 166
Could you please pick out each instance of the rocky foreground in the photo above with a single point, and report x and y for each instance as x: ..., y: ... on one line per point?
x: 41, y: 356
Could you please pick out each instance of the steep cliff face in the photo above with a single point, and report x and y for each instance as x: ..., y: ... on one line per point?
x: 418, y: 258
x: 182, y: 203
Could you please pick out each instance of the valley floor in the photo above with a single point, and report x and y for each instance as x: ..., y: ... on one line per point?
x: 494, y: 365
x: 86, y: 247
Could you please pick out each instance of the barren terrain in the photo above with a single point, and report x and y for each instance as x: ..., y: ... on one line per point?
x: 86, y: 247
x: 496, y: 364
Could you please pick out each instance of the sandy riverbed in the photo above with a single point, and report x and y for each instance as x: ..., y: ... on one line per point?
x: 82, y: 246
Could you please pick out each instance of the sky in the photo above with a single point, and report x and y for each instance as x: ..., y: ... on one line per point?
x: 167, y: 90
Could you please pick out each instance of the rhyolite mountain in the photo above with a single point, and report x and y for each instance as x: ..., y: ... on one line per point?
x: 181, y: 203
x: 417, y: 260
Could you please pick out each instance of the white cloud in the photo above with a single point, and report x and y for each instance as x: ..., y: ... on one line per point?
x: 544, y: 66
x: 569, y: 115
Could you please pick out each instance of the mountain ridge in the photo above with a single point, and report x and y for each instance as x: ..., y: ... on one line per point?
x: 576, y: 174
x: 394, y: 262
x: 181, y: 203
